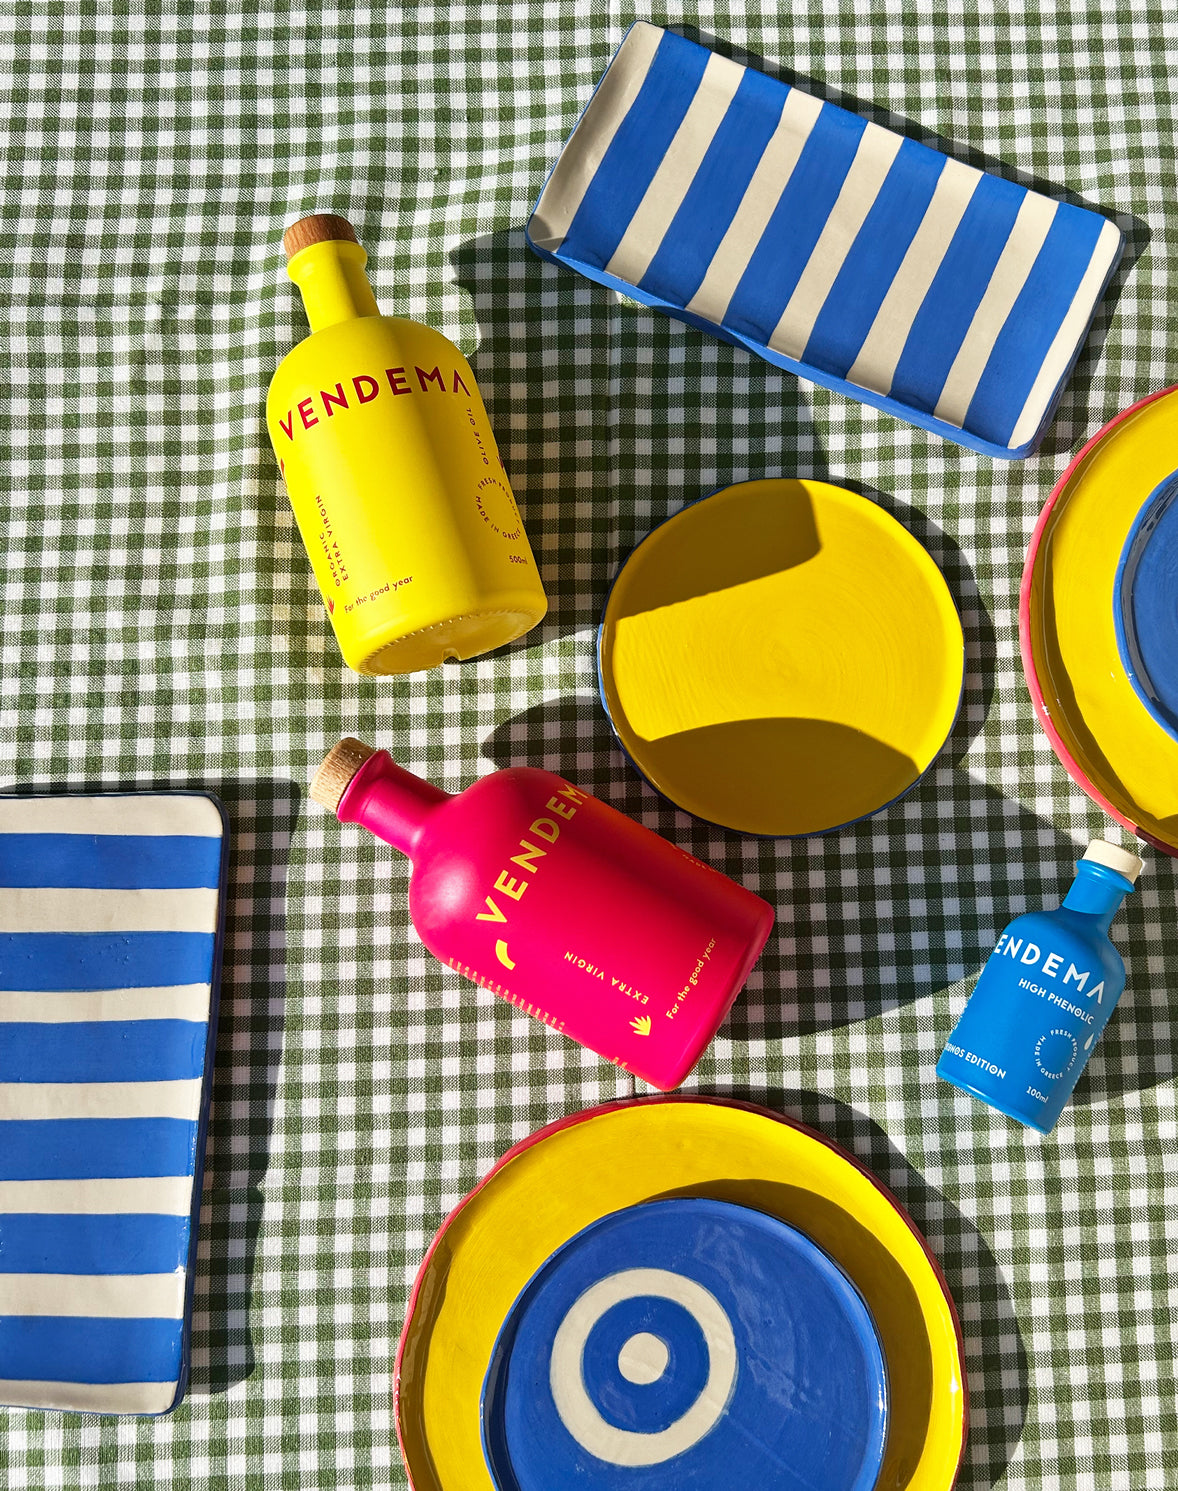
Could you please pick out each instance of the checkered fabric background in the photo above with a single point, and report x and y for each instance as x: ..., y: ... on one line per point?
x: 160, y: 628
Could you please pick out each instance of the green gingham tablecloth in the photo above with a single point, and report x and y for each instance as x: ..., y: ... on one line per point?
x: 160, y: 628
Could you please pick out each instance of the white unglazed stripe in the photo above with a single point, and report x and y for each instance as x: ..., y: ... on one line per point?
x: 875, y: 365
x: 877, y: 150
x: 160, y: 815
x: 166, y: 1196
x: 51, y: 909
x: 1072, y: 328
x: 1015, y: 262
x: 595, y: 131
x: 769, y: 180
x: 677, y: 170
x: 38, y: 1100
x: 109, y: 1296
x: 90, y: 1397
x: 59, y: 1007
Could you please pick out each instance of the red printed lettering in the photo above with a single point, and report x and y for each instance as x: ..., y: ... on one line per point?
x: 337, y: 398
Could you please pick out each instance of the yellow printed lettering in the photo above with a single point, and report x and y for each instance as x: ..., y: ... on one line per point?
x: 546, y: 829
x: 529, y: 853
x: 510, y: 887
x: 566, y: 810
x: 494, y: 915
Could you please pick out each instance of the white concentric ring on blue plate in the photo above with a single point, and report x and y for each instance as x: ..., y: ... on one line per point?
x: 695, y: 1344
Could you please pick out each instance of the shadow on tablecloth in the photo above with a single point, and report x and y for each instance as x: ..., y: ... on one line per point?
x: 902, y: 905
x: 262, y: 816
x: 623, y: 418
x: 996, y: 1368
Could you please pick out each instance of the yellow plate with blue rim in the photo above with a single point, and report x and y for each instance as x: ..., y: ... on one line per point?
x: 781, y: 658
x: 569, y: 1175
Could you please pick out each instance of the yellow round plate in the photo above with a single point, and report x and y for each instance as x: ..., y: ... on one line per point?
x: 1101, y: 731
x: 782, y: 657
x: 581, y: 1168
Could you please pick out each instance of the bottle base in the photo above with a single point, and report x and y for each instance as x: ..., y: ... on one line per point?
x: 458, y: 637
x: 993, y: 1102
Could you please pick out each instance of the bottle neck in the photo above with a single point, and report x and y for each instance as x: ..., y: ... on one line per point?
x: 390, y: 802
x: 1098, y: 892
x: 331, y: 279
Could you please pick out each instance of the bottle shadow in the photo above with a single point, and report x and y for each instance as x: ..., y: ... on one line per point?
x: 995, y: 1358
x: 889, y: 948
x: 1075, y: 417
x: 588, y: 482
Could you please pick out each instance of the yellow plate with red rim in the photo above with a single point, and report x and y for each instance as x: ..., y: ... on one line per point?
x: 579, y: 1169
x: 1099, y: 727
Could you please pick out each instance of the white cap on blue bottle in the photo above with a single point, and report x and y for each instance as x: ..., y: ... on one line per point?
x: 1114, y: 858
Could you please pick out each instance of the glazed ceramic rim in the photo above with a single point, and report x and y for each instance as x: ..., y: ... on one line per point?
x: 749, y: 833
x: 1030, y: 673
x: 1138, y: 675
x: 587, y: 1114
x: 794, y: 1240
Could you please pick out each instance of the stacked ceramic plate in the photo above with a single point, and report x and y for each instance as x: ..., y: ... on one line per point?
x: 1099, y: 619
x: 680, y: 1293
x: 782, y: 657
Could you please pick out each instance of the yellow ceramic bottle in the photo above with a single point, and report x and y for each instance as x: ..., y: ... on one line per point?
x: 393, y: 474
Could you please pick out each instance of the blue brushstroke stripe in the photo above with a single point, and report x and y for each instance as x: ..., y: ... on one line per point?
x: 874, y: 259
x: 104, y: 960
x: 69, y: 1348
x: 636, y: 151
x: 941, y: 324
x: 110, y: 861
x: 102, y: 1051
x: 42, y: 1243
x: 797, y: 222
x: 678, y: 268
x: 1030, y: 329
x: 95, y: 1148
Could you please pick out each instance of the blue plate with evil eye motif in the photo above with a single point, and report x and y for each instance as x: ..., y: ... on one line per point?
x: 692, y: 1345
x: 1145, y: 605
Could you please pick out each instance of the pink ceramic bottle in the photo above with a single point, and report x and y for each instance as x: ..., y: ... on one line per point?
x: 562, y: 905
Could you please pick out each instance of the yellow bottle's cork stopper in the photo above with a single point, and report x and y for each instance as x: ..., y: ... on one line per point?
x: 320, y: 227
x: 339, y: 766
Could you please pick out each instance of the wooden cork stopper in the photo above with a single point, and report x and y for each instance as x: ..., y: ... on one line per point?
x: 320, y: 227
x: 340, y: 765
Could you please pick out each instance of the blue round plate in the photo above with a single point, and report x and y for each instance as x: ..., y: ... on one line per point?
x: 691, y: 1345
x: 1145, y: 604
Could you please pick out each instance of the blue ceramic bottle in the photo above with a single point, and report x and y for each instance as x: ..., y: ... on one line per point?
x: 1044, y: 997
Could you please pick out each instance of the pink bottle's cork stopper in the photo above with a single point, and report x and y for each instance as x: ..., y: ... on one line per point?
x: 334, y: 776
x: 320, y: 227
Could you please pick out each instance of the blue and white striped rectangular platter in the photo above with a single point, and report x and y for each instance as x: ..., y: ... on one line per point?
x: 110, y: 941
x: 827, y: 245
